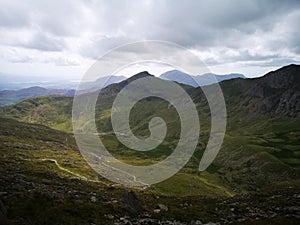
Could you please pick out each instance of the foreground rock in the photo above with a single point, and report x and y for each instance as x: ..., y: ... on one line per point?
x: 132, y: 202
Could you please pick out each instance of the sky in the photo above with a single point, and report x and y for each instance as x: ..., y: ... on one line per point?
x: 64, y: 38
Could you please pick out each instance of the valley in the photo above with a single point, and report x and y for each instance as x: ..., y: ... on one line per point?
x: 253, y: 180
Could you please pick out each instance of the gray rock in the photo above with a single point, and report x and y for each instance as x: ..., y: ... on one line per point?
x: 197, y: 222
x: 163, y: 207
x: 131, y: 201
x: 93, y: 199
x: 156, y: 210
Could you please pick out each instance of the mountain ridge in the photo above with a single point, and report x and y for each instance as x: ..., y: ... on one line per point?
x: 199, y: 80
x: 278, y: 90
x: 255, y: 97
x: 258, y: 160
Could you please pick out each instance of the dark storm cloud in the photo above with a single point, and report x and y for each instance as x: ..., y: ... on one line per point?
x: 224, y: 23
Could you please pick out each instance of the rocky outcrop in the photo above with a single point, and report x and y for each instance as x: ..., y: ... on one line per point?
x: 277, y: 93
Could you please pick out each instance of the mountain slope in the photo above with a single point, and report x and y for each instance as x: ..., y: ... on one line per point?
x: 276, y: 94
x: 258, y: 163
x: 44, y: 180
x: 261, y: 134
x: 101, y: 82
x: 53, y: 111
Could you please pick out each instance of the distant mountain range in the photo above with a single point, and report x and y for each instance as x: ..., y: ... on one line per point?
x: 101, y: 83
x: 41, y: 88
x: 200, y: 80
x: 17, y: 82
x: 276, y: 94
x: 8, y: 97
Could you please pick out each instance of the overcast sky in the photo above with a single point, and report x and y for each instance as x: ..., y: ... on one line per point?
x: 64, y: 38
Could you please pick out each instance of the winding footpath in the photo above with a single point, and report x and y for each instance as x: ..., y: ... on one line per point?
x: 83, y: 177
x: 69, y: 171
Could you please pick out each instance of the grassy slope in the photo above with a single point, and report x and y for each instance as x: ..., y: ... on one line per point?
x: 38, y: 192
x: 256, y: 145
x: 259, y: 150
x: 52, y: 111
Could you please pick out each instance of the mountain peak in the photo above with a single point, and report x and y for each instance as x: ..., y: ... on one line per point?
x: 139, y: 75
x: 116, y: 87
x: 284, y: 77
x: 292, y: 68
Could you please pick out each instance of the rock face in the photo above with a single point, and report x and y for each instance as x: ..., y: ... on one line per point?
x: 277, y: 93
x: 132, y: 202
x: 281, y: 93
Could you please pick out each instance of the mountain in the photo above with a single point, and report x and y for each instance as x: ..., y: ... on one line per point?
x: 276, y: 94
x: 8, y: 97
x: 101, y: 83
x: 180, y: 77
x: 254, y: 108
x: 253, y: 180
x: 17, y: 82
x: 200, y: 80
x: 205, y: 79
x: 117, y: 87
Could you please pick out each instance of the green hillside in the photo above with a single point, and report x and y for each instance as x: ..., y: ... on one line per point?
x: 44, y: 180
x: 261, y: 138
x: 53, y: 111
x: 259, y: 157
